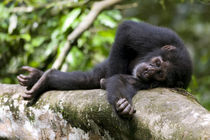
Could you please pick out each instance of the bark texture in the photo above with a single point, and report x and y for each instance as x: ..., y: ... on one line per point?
x: 162, y: 114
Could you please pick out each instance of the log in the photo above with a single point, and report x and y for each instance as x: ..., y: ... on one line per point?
x: 163, y: 114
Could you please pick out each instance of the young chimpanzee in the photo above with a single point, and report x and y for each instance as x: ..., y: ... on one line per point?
x: 143, y: 56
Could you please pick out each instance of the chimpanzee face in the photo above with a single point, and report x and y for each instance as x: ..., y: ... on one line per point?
x: 155, y: 69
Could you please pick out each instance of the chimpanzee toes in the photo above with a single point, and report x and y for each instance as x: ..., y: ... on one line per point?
x: 33, y: 71
x: 24, y: 77
x: 29, y: 80
x: 27, y: 96
x: 27, y: 68
x: 124, y: 108
x: 22, y: 80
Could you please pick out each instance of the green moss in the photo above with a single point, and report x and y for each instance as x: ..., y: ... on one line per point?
x: 69, y: 114
x: 29, y: 114
x: 39, y: 104
x: 6, y: 100
x: 185, y: 93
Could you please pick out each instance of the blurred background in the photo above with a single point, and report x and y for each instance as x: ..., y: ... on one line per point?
x: 33, y: 32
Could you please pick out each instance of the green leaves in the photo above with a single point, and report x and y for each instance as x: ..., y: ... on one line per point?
x: 69, y: 19
x: 12, y: 23
x: 110, y: 18
x: 37, y: 37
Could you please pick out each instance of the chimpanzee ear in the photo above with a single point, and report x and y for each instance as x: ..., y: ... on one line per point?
x: 168, y: 48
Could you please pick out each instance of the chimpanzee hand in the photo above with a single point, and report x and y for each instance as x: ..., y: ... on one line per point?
x: 120, y: 90
x: 124, y: 108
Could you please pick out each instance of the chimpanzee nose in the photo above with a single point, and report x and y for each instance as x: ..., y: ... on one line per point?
x: 150, y: 70
x: 146, y: 69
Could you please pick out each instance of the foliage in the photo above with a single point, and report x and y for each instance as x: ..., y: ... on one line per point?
x: 33, y: 32
x: 36, y: 38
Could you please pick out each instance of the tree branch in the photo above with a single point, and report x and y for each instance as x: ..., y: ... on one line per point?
x: 161, y: 114
x: 126, y: 6
x: 84, y: 25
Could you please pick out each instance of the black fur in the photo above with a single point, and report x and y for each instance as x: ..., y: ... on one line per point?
x: 134, y: 43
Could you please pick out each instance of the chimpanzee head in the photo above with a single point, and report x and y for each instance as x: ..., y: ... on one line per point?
x: 165, y: 67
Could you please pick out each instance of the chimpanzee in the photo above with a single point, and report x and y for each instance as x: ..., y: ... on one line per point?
x: 143, y: 56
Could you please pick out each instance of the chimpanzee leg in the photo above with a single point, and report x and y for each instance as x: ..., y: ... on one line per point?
x: 121, y: 89
x: 57, y: 80
x: 39, y: 87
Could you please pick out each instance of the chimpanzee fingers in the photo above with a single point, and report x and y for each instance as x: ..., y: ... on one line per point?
x: 22, y: 81
x: 27, y: 96
x: 132, y: 111
x: 120, y: 101
x: 122, y: 106
x: 126, y: 110
x: 27, y: 68
x: 24, y: 77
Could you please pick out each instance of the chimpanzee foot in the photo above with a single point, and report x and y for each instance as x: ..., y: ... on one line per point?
x: 124, y: 108
x: 38, y: 88
x: 32, y: 96
x: 29, y: 94
x: 29, y: 80
x: 35, y: 91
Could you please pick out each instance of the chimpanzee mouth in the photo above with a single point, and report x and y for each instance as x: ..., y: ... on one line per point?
x: 144, y: 76
x: 147, y: 74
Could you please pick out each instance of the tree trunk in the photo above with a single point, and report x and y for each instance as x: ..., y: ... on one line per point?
x: 85, y: 114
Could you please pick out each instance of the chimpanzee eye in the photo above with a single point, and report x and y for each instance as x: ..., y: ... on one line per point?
x: 158, y: 63
x: 160, y: 73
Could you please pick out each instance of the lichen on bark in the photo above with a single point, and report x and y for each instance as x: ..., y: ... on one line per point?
x: 85, y: 114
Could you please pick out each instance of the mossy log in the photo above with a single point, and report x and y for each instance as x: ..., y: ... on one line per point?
x: 161, y: 114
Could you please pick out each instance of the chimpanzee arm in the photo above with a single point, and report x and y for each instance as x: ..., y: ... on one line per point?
x: 120, y: 89
x: 137, y: 39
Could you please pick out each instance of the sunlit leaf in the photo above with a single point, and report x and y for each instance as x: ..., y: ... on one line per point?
x: 107, y: 20
x: 26, y: 37
x: 70, y: 19
x: 12, y: 23
x: 38, y: 41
